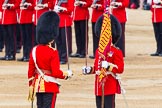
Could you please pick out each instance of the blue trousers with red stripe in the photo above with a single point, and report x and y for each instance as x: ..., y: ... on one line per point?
x: 46, y: 100
x: 109, y: 101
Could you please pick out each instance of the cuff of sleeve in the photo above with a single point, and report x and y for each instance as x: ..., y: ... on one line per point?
x: 81, y: 5
x: 46, y: 5
x: 65, y: 74
x: 30, y: 79
x: 92, y: 71
x: 110, y: 68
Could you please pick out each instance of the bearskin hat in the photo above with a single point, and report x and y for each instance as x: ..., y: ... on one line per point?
x: 115, y: 28
x: 47, y: 28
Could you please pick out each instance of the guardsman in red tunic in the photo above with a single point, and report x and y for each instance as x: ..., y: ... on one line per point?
x: 9, y: 21
x: 81, y: 16
x: 44, y: 65
x: 64, y: 8
x: 113, y: 65
x: 118, y: 8
x: 97, y: 10
x: 41, y: 6
x: 156, y: 9
x: 26, y: 24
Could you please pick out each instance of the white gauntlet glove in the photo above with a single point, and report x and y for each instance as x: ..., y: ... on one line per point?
x: 95, y: 6
x: 82, y: 2
x: 40, y: 6
x: 108, y: 66
x: 86, y: 70
x: 7, y: 6
x: 25, y: 5
x: 68, y: 74
x: 76, y: 3
x: 116, y: 4
x: 59, y: 9
x: 105, y: 64
x: 79, y: 3
x: 156, y: 6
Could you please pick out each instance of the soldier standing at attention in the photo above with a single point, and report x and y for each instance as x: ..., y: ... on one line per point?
x: 26, y: 24
x: 107, y: 68
x: 97, y: 10
x: 9, y: 21
x: 64, y: 8
x: 81, y: 16
x: 41, y: 6
x: 156, y: 9
x: 44, y: 66
x: 119, y: 11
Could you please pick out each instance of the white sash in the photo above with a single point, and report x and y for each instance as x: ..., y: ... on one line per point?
x: 45, y: 77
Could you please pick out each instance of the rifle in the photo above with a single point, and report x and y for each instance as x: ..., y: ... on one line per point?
x: 61, y: 1
x: 95, y: 4
x: 58, y: 7
x: 5, y: 4
x: 95, y: 1
x: 74, y: 9
x: 6, y: 1
x: 40, y: 2
x: 23, y: 1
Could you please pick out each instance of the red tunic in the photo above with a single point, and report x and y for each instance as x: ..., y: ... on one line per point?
x: 82, y: 12
x: 120, y: 12
x: 37, y: 13
x: 96, y: 13
x: 47, y: 59
x: 9, y: 16
x: 25, y: 15
x: 111, y: 85
x: 156, y: 13
x: 66, y: 15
